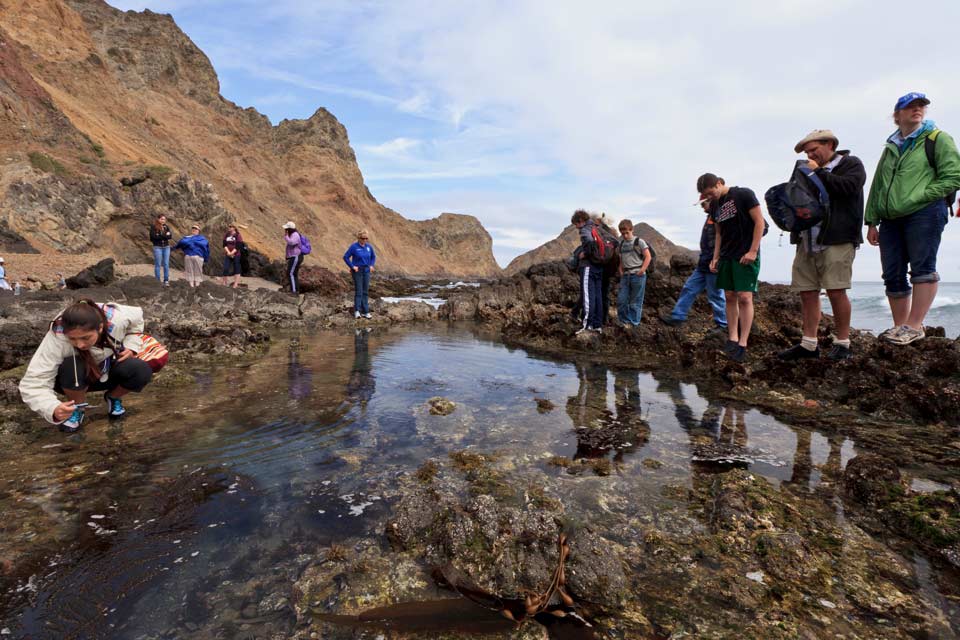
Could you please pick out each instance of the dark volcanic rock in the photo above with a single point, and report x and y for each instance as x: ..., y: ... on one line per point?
x: 872, y: 480
x: 99, y: 274
x: 321, y: 281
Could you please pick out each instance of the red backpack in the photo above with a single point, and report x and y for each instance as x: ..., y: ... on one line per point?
x: 606, y: 245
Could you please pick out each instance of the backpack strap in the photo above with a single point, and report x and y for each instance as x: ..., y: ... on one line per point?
x: 929, y: 146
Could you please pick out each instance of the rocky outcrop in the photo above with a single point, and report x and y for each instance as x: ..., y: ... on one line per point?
x: 108, y: 118
x: 563, y: 245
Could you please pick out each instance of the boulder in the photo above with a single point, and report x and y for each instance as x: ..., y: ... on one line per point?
x: 97, y: 275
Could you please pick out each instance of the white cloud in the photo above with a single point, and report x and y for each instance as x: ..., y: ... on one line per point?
x: 392, y: 148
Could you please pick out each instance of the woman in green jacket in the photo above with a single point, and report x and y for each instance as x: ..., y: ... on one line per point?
x: 916, y: 180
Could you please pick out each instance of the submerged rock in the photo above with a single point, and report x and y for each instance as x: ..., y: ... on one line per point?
x: 441, y: 406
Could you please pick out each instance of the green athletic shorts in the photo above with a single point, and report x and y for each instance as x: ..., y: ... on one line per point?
x: 733, y: 276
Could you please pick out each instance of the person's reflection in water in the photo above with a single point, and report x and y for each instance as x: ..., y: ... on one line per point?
x: 802, y: 460
x: 709, y: 423
x: 362, y: 383
x: 598, y: 430
x: 299, y: 376
x: 733, y: 427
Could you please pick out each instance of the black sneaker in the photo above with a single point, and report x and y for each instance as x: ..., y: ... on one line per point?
x: 798, y: 352
x: 738, y: 354
x: 730, y: 346
x: 671, y: 322
x: 840, y: 352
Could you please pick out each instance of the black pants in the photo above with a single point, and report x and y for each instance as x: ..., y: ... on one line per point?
x: 293, y: 272
x: 132, y: 374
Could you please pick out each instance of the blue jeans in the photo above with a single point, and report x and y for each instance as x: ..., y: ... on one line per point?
x: 361, y: 286
x: 591, y: 279
x: 630, y: 298
x: 913, y: 240
x: 161, y: 256
x: 697, y: 282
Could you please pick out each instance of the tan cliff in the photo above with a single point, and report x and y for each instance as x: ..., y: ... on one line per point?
x: 110, y: 117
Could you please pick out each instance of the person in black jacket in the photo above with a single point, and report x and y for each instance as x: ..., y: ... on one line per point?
x: 590, y: 272
x: 825, y: 253
x: 701, y: 278
x: 160, y: 235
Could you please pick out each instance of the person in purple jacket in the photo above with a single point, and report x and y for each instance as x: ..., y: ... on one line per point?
x: 360, y: 258
x: 294, y: 255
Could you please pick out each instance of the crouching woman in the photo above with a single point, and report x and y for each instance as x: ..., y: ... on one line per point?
x: 89, y: 347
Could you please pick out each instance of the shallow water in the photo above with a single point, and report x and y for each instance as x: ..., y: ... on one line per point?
x: 133, y: 530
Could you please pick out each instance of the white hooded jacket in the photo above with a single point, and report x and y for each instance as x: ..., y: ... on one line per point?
x: 125, y: 324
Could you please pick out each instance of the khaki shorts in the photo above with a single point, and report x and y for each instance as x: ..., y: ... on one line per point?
x: 831, y: 268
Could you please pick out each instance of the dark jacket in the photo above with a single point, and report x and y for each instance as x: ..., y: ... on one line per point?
x: 160, y: 238
x: 588, y: 246
x: 845, y: 186
x: 708, y: 240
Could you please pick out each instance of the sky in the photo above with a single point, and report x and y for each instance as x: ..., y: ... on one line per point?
x: 520, y: 112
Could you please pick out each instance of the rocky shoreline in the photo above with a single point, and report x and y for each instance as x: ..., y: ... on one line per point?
x: 778, y: 563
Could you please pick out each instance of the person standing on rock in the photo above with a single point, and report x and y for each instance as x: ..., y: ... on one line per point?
x: 294, y: 255
x: 913, y: 188
x: 89, y: 347
x: 196, y: 252
x: 231, y: 255
x: 736, y: 256
x: 634, y: 261
x: 160, y: 236
x: 590, y: 272
x: 360, y: 259
x: 825, y: 252
x: 701, y: 278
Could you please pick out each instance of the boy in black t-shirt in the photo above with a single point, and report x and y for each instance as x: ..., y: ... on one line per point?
x: 736, y: 256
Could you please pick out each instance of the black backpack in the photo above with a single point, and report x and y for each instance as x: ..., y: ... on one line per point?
x: 929, y: 146
x: 801, y: 203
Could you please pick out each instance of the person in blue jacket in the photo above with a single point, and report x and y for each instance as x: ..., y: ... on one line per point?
x: 360, y: 258
x: 196, y: 252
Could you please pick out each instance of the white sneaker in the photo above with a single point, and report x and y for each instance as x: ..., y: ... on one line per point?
x: 906, y: 335
x: 356, y: 314
x: 367, y: 316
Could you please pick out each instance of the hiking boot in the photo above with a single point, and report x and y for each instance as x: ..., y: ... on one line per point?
x: 738, y: 354
x: 671, y: 321
x: 839, y: 352
x: 115, y: 405
x: 798, y: 352
x: 906, y: 335
x: 72, y: 424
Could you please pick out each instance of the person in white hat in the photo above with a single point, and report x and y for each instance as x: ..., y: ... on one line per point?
x: 3, y: 276
x: 294, y: 255
x: 825, y: 252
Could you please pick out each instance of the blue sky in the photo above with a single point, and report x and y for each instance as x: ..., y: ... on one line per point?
x: 520, y: 112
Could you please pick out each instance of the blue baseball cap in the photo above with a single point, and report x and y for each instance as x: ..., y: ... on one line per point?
x: 913, y: 96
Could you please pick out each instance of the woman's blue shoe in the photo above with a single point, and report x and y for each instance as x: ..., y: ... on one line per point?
x: 72, y: 424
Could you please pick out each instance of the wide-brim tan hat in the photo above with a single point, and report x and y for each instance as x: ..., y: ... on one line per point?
x: 817, y: 135
x: 290, y: 225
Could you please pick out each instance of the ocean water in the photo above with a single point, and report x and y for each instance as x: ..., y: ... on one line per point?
x: 871, y: 311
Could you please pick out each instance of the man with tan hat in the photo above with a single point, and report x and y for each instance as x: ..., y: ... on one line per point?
x: 825, y: 252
